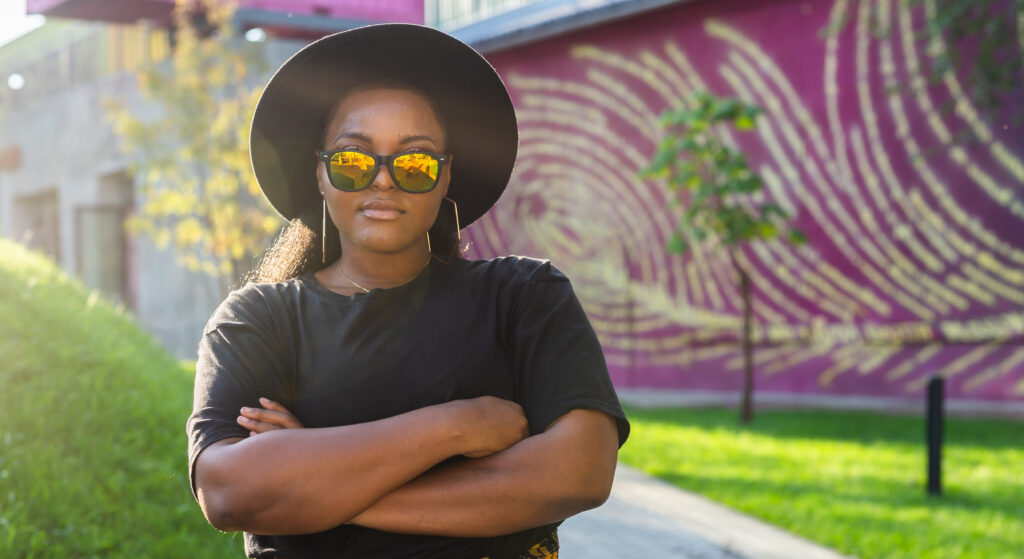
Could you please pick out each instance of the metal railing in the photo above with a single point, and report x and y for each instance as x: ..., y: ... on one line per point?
x: 452, y: 14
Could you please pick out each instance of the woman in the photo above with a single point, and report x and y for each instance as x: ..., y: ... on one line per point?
x: 371, y: 393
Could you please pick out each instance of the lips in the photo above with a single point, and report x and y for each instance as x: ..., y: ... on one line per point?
x: 384, y: 210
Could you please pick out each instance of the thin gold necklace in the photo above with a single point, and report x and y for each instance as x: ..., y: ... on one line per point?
x: 352, y: 281
x: 365, y: 290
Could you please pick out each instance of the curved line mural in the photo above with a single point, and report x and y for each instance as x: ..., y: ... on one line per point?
x: 915, y: 260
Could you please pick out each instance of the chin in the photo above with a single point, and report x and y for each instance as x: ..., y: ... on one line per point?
x: 385, y: 244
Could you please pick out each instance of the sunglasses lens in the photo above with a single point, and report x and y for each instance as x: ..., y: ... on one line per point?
x: 350, y: 170
x: 416, y: 172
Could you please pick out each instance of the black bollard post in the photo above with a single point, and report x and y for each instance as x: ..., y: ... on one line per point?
x: 936, y: 418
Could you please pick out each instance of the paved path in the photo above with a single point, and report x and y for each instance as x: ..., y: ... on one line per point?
x: 650, y: 519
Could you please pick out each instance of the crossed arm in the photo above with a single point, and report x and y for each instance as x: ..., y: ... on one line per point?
x: 382, y: 474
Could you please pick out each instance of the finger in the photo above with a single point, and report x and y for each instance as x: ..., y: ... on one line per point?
x: 257, y: 426
x: 281, y: 419
x: 290, y: 421
x: 272, y: 405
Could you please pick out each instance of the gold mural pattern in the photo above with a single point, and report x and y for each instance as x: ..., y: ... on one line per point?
x: 911, y: 240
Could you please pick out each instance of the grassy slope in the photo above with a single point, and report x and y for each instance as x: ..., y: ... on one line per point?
x: 92, y: 416
x: 852, y: 481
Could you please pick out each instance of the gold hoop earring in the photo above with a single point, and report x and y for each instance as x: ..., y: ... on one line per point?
x: 458, y: 228
x: 323, y: 235
x: 430, y: 250
x: 458, y: 234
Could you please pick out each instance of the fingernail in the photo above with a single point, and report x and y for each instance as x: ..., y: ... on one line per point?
x: 246, y: 410
x: 263, y: 400
x: 244, y: 419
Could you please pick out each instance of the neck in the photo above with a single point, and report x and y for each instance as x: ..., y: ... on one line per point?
x: 380, y: 270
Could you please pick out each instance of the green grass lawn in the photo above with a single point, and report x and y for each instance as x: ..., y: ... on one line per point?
x: 851, y: 481
x: 92, y: 428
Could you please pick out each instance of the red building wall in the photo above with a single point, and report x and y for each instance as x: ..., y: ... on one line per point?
x: 915, y: 264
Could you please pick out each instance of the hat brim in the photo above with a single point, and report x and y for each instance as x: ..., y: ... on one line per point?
x: 477, y: 111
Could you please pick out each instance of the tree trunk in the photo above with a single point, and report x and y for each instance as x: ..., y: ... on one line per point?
x: 747, y: 404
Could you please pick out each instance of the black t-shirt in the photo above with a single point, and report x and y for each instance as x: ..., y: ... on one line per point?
x: 509, y: 327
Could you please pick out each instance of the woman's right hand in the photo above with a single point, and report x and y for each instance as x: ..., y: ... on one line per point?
x: 490, y: 424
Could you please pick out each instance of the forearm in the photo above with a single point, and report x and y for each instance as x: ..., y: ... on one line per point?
x: 540, y: 480
x: 309, y: 480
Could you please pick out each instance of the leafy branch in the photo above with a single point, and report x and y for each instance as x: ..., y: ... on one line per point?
x: 188, y: 145
x: 713, y: 183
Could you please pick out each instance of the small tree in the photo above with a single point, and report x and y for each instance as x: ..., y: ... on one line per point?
x: 714, y: 184
x: 192, y: 157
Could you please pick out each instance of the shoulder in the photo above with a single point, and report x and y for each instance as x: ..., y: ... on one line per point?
x: 514, y: 270
x: 254, y: 303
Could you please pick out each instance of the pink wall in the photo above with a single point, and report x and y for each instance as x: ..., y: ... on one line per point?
x: 915, y: 263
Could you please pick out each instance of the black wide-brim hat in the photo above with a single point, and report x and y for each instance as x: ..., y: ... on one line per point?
x: 478, y: 115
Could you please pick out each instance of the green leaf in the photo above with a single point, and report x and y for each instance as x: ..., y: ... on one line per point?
x: 768, y: 230
x: 662, y: 160
x: 677, y: 244
x: 689, y: 143
x: 797, y: 237
x: 672, y: 118
x: 744, y: 122
x: 751, y: 183
x: 725, y: 109
x: 769, y: 209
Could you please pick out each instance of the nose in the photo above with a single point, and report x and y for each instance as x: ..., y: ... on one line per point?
x: 383, y: 180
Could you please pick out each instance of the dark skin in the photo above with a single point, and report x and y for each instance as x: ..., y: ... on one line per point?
x: 295, y: 480
x: 383, y: 229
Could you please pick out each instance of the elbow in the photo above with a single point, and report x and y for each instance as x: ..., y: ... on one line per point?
x: 600, y: 493
x: 222, y: 519
x: 599, y: 478
x: 596, y: 492
x: 228, y: 496
x: 225, y: 510
x: 590, y: 440
x: 229, y: 502
x: 591, y: 488
x: 229, y: 513
x: 245, y: 507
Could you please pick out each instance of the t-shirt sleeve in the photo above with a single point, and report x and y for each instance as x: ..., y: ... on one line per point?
x: 240, y: 358
x: 558, y: 357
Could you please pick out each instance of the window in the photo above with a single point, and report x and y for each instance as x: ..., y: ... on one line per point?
x: 37, y: 223
x: 102, y: 244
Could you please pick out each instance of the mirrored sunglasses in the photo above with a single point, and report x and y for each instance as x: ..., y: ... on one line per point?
x: 352, y: 170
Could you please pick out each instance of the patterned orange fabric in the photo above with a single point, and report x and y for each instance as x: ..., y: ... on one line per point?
x: 547, y: 548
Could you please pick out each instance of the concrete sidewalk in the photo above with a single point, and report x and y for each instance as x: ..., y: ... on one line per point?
x: 646, y: 517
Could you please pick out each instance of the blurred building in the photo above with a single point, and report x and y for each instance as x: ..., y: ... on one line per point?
x: 64, y: 188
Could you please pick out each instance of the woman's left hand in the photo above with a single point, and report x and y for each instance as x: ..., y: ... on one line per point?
x: 270, y: 417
